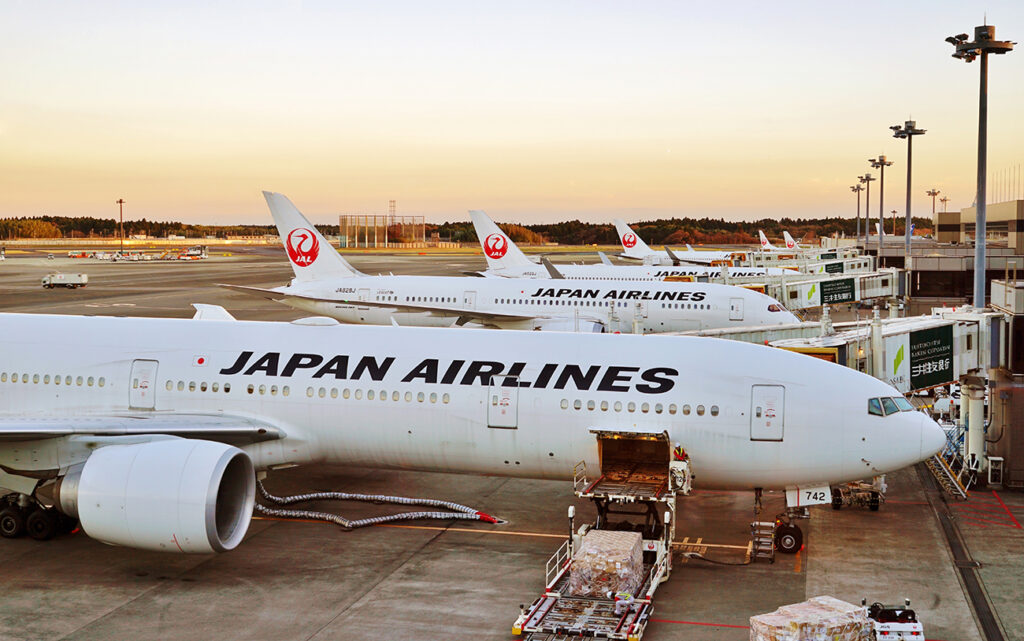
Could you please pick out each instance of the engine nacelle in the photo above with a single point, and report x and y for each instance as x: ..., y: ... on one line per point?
x: 172, y: 495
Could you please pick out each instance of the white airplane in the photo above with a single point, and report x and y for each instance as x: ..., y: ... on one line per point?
x: 149, y: 433
x: 791, y: 242
x: 634, y: 248
x: 505, y: 259
x: 327, y: 285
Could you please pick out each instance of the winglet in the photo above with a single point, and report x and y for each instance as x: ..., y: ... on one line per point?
x: 499, y: 250
x: 604, y: 259
x: 311, y: 256
x: 671, y: 255
x: 211, y: 312
x: 552, y: 270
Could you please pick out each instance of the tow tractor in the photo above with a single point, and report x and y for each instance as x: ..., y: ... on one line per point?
x: 639, y: 478
x: 894, y: 622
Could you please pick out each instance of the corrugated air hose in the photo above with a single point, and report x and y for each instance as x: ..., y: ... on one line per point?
x: 458, y: 512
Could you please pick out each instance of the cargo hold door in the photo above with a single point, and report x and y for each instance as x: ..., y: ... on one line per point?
x: 767, y: 412
x: 142, y: 388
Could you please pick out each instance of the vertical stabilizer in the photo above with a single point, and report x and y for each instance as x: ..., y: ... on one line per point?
x: 311, y: 256
x: 499, y: 250
x: 790, y: 243
x: 764, y: 241
x: 632, y: 246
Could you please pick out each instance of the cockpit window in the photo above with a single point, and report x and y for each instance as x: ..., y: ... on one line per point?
x: 903, y: 404
x: 774, y: 307
x: 889, y: 406
x: 875, y: 407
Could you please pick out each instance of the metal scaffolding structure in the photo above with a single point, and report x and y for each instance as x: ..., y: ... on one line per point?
x: 377, y: 230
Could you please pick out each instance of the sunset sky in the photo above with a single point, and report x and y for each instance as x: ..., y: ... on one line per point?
x: 533, y: 111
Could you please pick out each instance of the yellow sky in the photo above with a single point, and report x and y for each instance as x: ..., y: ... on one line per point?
x: 533, y: 112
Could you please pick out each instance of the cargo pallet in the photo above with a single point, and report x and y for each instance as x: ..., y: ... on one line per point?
x: 628, y: 479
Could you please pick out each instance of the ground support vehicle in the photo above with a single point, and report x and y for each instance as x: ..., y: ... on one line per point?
x: 895, y: 622
x: 860, y: 494
x: 639, y: 478
x: 71, y: 281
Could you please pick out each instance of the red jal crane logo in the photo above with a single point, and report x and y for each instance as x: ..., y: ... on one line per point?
x: 495, y: 246
x: 629, y: 240
x: 302, y: 246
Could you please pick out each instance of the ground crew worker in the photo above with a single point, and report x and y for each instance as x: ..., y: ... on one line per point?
x: 679, y: 453
x: 623, y: 602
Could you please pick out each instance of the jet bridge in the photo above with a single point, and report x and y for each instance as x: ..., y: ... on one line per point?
x: 808, y: 291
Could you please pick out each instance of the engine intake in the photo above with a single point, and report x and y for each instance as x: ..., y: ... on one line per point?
x: 172, y: 495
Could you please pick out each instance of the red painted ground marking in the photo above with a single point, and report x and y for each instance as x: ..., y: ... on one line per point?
x: 907, y: 502
x: 712, y: 625
x: 1008, y: 512
x: 984, y: 509
x: 981, y: 520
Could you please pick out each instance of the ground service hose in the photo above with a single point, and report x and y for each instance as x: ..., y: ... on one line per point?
x: 459, y: 512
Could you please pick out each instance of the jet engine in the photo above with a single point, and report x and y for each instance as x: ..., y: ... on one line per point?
x: 170, y: 495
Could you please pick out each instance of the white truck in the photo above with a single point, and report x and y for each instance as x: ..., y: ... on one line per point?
x: 71, y: 281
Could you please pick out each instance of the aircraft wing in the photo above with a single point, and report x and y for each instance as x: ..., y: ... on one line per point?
x: 677, y: 259
x: 465, y: 315
x: 214, y: 427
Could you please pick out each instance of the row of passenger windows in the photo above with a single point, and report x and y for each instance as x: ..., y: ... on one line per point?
x: 559, y: 303
x: 322, y: 392
x: 630, y: 406
x: 889, y: 405
x: 56, y: 379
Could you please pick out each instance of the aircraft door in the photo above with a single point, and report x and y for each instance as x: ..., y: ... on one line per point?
x: 142, y: 388
x: 735, y: 309
x: 469, y: 300
x: 767, y: 412
x: 503, y: 402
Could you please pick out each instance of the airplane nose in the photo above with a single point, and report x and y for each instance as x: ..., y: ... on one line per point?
x: 933, y: 437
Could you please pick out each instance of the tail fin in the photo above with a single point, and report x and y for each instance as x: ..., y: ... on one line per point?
x: 631, y: 244
x: 311, y: 256
x: 790, y: 243
x: 764, y: 241
x: 499, y: 250
x: 879, y: 229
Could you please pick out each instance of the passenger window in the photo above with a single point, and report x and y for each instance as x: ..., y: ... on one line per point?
x: 215, y: 387
x: 78, y: 381
x: 103, y: 381
x: 3, y: 377
x: 35, y: 379
x: 631, y: 407
x: 345, y: 393
x: 433, y: 397
x: 227, y: 388
x: 384, y: 395
x: 169, y: 386
x: 263, y: 390
x: 903, y: 404
x: 445, y: 398
x: 135, y: 385
x: 565, y: 403
x: 192, y: 387
x: 369, y: 395
x: 604, y: 406
x: 686, y: 410
x: 395, y: 396
x: 249, y: 388
x: 88, y: 382
x: 618, y: 406
x: 202, y: 387
x: 672, y: 408
x: 657, y: 408
x: 591, y: 405
x: 700, y: 410
x: 322, y: 392
x: 408, y: 397
x: 645, y: 408
x: 577, y: 404
x: 420, y: 397
x: 875, y: 407
x: 889, y: 406
x: 309, y: 391
x: 334, y: 391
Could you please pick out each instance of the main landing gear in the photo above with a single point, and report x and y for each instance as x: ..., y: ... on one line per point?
x: 21, y: 514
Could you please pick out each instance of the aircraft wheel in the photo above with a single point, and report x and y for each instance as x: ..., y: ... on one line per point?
x: 788, y: 538
x: 41, y: 525
x: 874, y: 502
x: 12, y: 522
x: 837, y: 500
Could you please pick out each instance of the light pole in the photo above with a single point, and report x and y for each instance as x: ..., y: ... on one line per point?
x: 944, y: 200
x: 880, y: 163
x: 893, y: 222
x: 984, y: 44
x: 908, y: 131
x: 857, y: 189
x: 120, y: 205
x: 867, y: 180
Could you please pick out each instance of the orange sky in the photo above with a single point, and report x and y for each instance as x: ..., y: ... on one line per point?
x: 535, y: 113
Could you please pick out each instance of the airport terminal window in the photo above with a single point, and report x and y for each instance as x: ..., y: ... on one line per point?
x: 565, y: 403
x: 875, y: 407
x: 903, y: 404
x: 889, y: 406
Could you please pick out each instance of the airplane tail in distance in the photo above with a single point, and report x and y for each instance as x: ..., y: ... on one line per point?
x: 631, y: 244
x: 499, y: 250
x: 879, y: 230
x: 790, y: 243
x: 311, y: 256
x: 764, y: 241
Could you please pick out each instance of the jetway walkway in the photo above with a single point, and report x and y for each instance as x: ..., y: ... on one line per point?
x: 800, y: 291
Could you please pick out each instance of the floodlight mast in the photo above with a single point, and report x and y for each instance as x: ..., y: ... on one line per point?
x: 880, y: 163
x: 867, y: 180
x: 933, y: 193
x: 908, y: 131
x: 984, y: 43
x: 857, y: 189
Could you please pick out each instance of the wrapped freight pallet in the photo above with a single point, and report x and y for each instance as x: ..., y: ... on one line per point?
x: 607, y: 561
x: 821, y: 618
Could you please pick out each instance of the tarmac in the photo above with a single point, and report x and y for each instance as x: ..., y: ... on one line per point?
x: 435, y: 580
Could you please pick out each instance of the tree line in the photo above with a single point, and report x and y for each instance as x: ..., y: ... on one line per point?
x: 663, y: 231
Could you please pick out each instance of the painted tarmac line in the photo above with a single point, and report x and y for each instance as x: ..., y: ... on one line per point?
x: 998, y: 498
